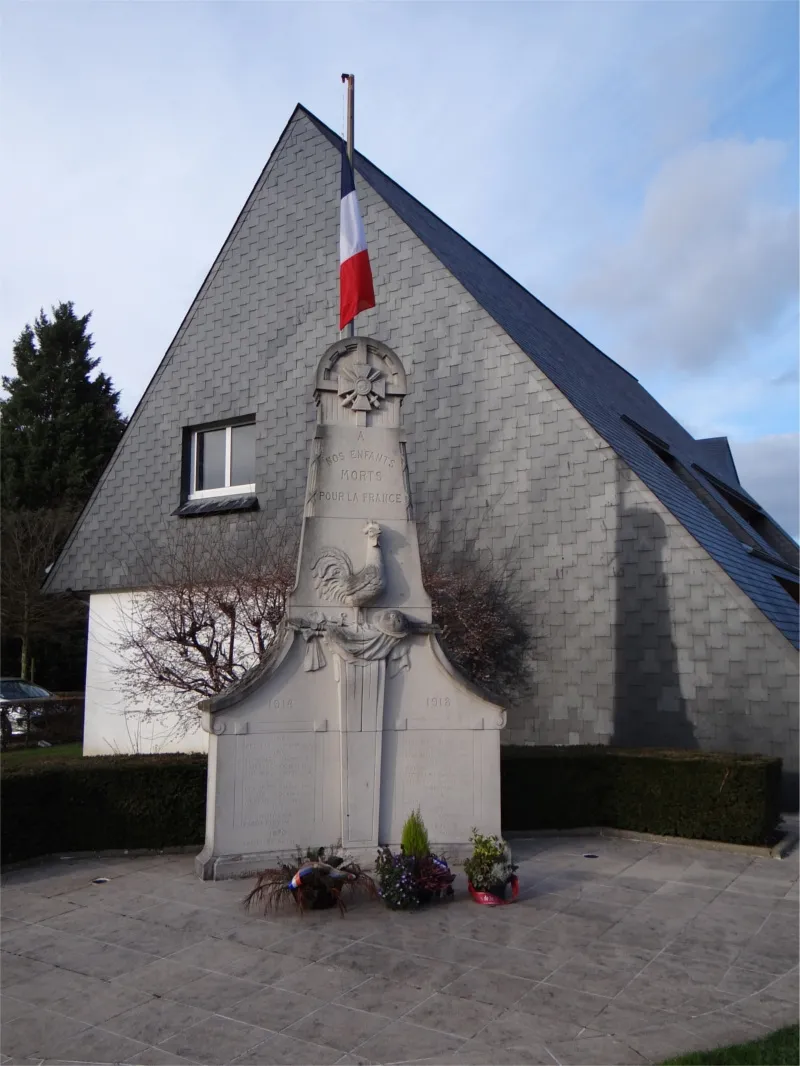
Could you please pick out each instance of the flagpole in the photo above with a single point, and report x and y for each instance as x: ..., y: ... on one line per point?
x: 350, y: 79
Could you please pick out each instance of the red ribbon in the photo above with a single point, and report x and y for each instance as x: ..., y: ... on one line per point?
x: 487, y: 899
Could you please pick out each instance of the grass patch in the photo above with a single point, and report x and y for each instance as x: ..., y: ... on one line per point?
x: 23, y: 756
x: 781, y: 1048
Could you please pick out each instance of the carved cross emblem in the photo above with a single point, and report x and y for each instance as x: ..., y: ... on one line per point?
x: 361, y: 387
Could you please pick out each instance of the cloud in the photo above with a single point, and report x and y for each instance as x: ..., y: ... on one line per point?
x: 769, y: 468
x: 788, y: 377
x: 710, y: 263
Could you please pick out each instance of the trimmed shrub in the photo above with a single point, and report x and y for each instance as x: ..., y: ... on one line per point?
x: 158, y: 801
x: 102, y: 803
x: 703, y: 795
x: 58, y: 721
x: 414, y: 837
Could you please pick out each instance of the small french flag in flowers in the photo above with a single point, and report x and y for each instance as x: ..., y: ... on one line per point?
x: 356, y: 292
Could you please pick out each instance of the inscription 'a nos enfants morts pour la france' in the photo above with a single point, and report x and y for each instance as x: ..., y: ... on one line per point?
x: 340, y: 466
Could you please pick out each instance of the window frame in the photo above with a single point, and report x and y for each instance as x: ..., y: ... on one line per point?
x: 227, y: 489
x: 732, y: 508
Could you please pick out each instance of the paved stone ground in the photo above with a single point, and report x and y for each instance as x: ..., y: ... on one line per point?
x: 644, y: 952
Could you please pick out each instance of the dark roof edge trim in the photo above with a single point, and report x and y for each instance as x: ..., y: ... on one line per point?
x: 648, y: 437
x: 722, y: 486
x: 759, y: 553
x: 216, y: 505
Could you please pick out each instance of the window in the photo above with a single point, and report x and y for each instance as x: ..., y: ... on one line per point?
x: 756, y: 518
x: 223, y: 461
x: 662, y: 449
x: 791, y: 587
x: 755, y: 529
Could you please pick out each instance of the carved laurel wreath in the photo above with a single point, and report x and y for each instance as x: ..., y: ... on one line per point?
x: 361, y: 387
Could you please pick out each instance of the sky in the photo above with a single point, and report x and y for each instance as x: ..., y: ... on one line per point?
x: 635, y: 165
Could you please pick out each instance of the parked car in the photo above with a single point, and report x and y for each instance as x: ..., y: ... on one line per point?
x: 18, y: 700
x: 14, y: 691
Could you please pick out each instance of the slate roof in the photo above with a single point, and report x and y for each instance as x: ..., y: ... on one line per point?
x: 610, y: 399
x: 718, y: 459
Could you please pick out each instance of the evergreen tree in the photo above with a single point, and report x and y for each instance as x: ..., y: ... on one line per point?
x: 59, y: 425
x: 58, y: 429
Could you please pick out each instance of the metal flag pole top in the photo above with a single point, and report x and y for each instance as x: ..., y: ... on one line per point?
x: 351, y: 82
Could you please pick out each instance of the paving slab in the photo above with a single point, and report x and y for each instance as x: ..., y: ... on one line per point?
x: 215, y: 1040
x: 101, y: 1046
x: 646, y: 952
x: 337, y: 1026
x: 390, y: 999
x: 321, y: 981
x: 215, y: 992
x: 156, y: 1020
x: 280, y: 1050
x: 453, y: 1015
x: 272, y: 1008
x: 403, y: 1041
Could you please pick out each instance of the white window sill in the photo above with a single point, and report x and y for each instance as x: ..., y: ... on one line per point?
x: 227, y: 490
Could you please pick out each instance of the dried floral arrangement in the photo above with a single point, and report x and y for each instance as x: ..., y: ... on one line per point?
x: 311, y: 881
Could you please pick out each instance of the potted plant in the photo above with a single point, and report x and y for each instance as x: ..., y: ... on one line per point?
x: 312, y: 881
x: 415, y: 875
x: 490, y: 871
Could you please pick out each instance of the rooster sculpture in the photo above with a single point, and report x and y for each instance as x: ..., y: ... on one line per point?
x: 334, y: 578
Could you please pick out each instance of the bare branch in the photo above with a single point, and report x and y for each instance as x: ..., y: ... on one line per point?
x: 480, y: 606
x: 214, y: 596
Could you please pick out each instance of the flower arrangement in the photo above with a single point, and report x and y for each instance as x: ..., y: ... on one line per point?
x: 489, y: 870
x: 397, y: 885
x: 312, y: 881
x: 415, y: 875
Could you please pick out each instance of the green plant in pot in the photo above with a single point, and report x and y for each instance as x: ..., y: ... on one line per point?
x: 490, y: 870
x: 416, y: 875
x: 414, y: 842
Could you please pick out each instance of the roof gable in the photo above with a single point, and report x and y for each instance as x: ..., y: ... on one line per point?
x: 290, y: 313
x: 718, y: 459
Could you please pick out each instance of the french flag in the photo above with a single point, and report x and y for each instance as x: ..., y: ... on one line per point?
x: 356, y: 292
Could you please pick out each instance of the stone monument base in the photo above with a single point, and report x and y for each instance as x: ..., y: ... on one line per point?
x: 282, y: 776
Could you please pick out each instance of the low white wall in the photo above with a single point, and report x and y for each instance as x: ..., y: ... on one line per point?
x: 112, y: 723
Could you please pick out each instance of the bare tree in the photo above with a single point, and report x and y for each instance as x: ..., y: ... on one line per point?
x: 213, y: 597
x: 30, y: 543
x: 480, y: 605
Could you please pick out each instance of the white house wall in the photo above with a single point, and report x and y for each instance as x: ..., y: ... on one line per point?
x: 113, y: 722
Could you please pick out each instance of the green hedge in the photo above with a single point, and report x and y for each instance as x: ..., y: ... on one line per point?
x: 102, y: 802
x: 158, y: 801
x: 703, y: 795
